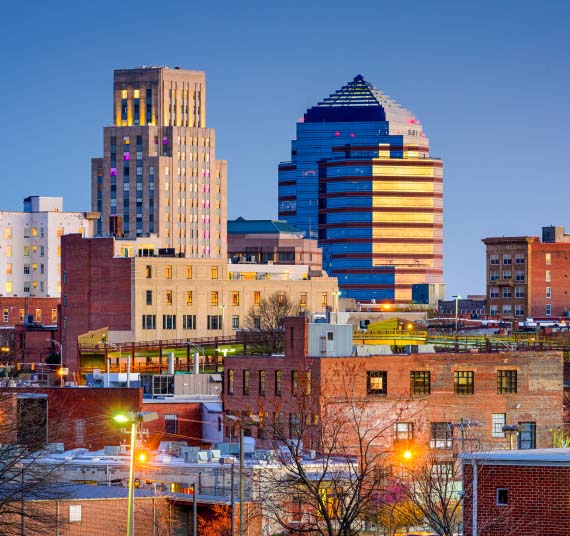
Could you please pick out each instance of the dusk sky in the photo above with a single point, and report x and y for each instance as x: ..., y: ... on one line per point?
x: 489, y: 81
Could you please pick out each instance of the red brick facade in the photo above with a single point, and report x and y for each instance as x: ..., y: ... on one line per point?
x: 537, y: 499
x: 187, y: 426
x: 536, y: 398
x: 95, y: 292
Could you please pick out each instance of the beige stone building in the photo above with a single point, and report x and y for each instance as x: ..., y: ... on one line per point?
x: 159, y: 173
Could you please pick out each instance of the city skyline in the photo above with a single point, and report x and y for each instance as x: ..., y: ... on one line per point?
x: 488, y: 83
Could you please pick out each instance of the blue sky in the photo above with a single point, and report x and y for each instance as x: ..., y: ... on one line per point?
x: 489, y: 81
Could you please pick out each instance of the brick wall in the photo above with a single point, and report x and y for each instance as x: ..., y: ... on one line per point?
x: 96, y: 292
x: 538, y: 499
x: 189, y: 422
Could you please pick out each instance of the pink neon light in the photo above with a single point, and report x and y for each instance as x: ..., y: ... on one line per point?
x: 337, y: 133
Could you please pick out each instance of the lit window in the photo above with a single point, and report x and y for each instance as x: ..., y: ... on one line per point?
x: 214, y: 297
x: 169, y: 297
x: 8, y: 251
x: 235, y: 298
x: 59, y: 232
x: 188, y: 297
x: 21, y: 314
x: 148, y: 271
x: 463, y: 382
x: 230, y: 382
x: 548, y: 258
x: 188, y: 272
x: 168, y: 271
x: 38, y: 315
x: 8, y: 286
x: 376, y: 382
x: 403, y: 431
x: 8, y: 232
x: 548, y: 276
x: 9, y: 268
x: 324, y: 299
x: 53, y: 316
x: 6, y: 315
x: 303, y: 299
x: 34, y: 231
x: 214, y: 272
x: 256, y: 297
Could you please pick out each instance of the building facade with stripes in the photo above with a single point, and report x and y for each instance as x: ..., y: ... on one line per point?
x: 361, y: 180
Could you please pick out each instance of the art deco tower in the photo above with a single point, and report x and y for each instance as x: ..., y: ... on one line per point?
x: 159, y: 173
x: 361, y: 179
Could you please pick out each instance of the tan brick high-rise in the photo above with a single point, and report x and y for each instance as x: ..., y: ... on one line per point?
x: 159, y: 173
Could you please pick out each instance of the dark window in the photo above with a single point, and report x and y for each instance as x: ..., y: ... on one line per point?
x: 377, y: 382
x: 506, y: 381
x: 277, y: 383
x: 230, y: 382
x: 246, y: 382
x: 148, y: 271
x: 149, y: 321
x: 149, y: 297
x: 527, y: 435
x: 189, y: 321
x: 420, y: 382
x: 171, y: 424
x: 294, y: 382
x: 294, y: 425
x: 463, y: 382
x: 214, y: 322
x: 168, y: 321
x: 502, y: 497
x: 261, y: 383
x: 441, y: 435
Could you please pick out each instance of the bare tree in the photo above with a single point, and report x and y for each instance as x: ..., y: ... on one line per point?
x: 267, y: 320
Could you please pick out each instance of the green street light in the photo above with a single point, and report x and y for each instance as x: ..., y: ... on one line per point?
x: 134, y: 419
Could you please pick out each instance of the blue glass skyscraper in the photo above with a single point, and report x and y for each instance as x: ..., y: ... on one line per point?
x: 361, y: 180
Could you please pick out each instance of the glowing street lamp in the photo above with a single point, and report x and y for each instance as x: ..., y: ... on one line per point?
x: 134, y: 419
x: 226, y: 351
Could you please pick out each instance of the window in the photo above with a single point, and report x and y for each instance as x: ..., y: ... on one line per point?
x: 527, y: 435
x: 59, y: 232
x: 8, y: 286
x: 261, y: 383
x: 38, y: 315
x: 168, y: 271
x: 376, y: 381
x: 168, y: 321
x: 441, y: 435
x: 403, y: 431
x: 26, y: 251
x: 463, y: 381
x: 6, y: 315
x: 324, y: 299
x: 53, y: 316
x: 8, y: 251
x: 548, y: 259
x: 188, y: 297
x: 281, y: 298
x: 519, y: 258
x: 519, y: 310
x: 498, y: 421
x: 507, y: 275
x: 278, y: 383
x: 519, y: 292
x: 507, y: 259
x: 149, y: 321
x: 235, y: 321
x: 168, y: 297
x: 256, y: 297
x: 294, y: 425
x: 420, y: 382
x: 214, y: 322
x: 230, y: 382
x: 170, y: 424
x: 549, y: 292
x: 257, y: 322
x: 189, y: 321
x: 9, y: 268
x: 307, y: 382
x: 148, y: 271
x: 246, y: 382
x: 548, y: 277
x: 214, y: 298
x: 493, y: 292
x: 493, y: 259
x: 188, y: 272
x: 214, y: 272
x: 519, y: 275
x: 502, y: 497
x: 548, y: 309
x: 8, y: 232
x: 493, y: 275
x: 507, y: 292
x: 507, y: 309
x: 149, y: 297
x: 294, y: 382
x: 235, y: 298
x: 21, y: 314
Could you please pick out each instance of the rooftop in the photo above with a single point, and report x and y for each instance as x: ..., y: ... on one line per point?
x: 521, y: 457
x: 243, y: 226
x: 358, y: 101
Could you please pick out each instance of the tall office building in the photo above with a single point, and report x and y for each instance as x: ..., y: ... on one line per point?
x: 361, y: 179
x: 159, y: 173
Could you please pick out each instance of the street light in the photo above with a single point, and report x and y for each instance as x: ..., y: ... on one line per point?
x: 226, y: 351
x: 456, y: 298
x: 134, y: 419
x: 120, y: 349
x: 252, y: 420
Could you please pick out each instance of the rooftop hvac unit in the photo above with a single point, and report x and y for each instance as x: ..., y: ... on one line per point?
x: 112, y: 450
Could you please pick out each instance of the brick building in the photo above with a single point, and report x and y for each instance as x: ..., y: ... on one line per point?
x: 425, y: 396
x: 529, y: 277
x: 516, y: 492
x: 148, y: 298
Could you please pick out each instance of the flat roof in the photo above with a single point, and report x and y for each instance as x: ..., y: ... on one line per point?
x: 520, y: 457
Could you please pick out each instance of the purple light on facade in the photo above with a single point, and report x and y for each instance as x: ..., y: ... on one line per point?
x: 113, y: 172
x: 127, y: 156
x: 164, y: 141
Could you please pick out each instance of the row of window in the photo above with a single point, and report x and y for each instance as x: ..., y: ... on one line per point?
x: 22, y: 315
x: 168, y: 272
x: 420, y: 382
x: 28, y: 286
x: 494, y: 292
x: 294, y: 384
x: 507, y: 275
x: 495, y: 259
x: 169, y: 322
x: 507, y: 310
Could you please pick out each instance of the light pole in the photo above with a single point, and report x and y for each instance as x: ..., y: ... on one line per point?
x: 134, y: 419
x: 336, y: 296
x: 120, y: 349
x: 456, y: 298
x: 62, y: 371
x: 253, y: 420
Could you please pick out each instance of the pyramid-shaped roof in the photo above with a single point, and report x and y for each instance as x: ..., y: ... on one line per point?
x: 358, y: 101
